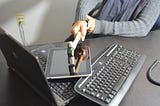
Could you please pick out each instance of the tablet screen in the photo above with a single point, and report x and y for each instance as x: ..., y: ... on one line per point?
x: 57, y: 65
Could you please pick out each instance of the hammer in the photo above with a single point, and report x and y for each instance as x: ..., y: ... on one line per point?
x: 70, y: 52
x: 82, y: 55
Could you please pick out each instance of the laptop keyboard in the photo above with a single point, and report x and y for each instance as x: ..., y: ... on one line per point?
x: 41, y: 56
x: 63, y: 89
x: 113, y: 74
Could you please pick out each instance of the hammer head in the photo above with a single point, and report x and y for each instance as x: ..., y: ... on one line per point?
x: 81, y: 51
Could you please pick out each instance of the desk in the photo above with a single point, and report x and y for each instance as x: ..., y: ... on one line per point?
x: 14, y: 92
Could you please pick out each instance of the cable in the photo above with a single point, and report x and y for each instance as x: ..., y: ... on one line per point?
x: 22, y: 35
x: 150, y: 71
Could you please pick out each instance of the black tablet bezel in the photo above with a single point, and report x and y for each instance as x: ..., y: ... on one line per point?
x: 53, y: 76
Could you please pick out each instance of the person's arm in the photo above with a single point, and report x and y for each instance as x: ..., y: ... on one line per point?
x: 138, y: 27
x: 84, y: 7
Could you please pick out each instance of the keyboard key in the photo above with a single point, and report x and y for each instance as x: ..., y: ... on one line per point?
x: 120, y: 83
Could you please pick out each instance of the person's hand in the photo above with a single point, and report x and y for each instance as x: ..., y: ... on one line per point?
x: 91, y: 24
x: 79, y: 26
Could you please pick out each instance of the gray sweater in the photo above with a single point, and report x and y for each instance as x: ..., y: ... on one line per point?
x: 139, y: 26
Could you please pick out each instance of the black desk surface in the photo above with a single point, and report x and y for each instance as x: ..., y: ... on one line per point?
x: 14, y: 92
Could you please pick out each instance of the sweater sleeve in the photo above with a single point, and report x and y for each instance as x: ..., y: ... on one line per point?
x: 137, y: 27
x: 84, y: 7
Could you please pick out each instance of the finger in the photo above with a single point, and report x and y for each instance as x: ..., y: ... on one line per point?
x: 89, y: 17
x: 84, y: 28
x: 75, y: 30
x: 83, y: 37
x: 91, y: 24
x: 84, y: 31
x: 89, y: 28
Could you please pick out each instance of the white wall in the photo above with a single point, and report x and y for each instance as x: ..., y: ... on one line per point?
x: 45, y: 20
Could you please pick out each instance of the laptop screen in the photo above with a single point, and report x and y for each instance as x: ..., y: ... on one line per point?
x: 25, y: 65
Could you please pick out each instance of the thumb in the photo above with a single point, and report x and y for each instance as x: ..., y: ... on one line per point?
x: 89, y: 17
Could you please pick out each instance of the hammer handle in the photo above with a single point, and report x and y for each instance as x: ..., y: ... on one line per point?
x: 79, y: 61
x: 76, y: 40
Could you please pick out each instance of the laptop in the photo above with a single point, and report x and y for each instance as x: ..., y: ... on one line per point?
x: 56, y: 92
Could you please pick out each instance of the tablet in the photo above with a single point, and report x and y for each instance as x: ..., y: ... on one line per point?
x: 57, y: 65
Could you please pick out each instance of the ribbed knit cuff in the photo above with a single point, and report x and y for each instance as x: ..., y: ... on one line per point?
x: 81, y: 16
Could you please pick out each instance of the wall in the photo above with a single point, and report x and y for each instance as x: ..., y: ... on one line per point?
x: 45, y: 20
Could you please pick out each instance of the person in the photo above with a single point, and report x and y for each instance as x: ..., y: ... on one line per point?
x: 129, y: 18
